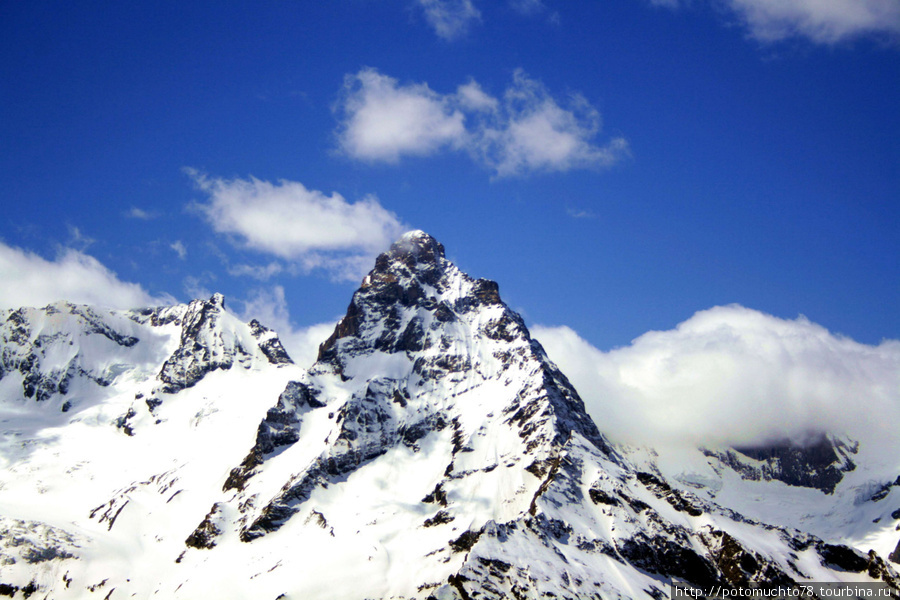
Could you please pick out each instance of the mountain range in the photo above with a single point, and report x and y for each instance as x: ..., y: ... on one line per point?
x: 432, y: 451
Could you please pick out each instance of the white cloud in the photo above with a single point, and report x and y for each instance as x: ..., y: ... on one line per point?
x: 269, y: 307
x: 528, y: 130
x: 822, y: 21
x: 195, y: 288
x: 261, y: 272
x: 383, y: 120
x: 734, y: 376
x: 537, y: 134
x: 472, y: 97
x: 138, y: 213
x: 179, y: 249
x: 341, y: 267
x: 577, y: 213
x: 301, y: 225
x: 79, y: 240
x: 30, y: 280
x: 451, y: 19
x: 527, y: 7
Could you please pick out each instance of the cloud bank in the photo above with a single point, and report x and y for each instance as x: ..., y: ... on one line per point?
x: 732, y: 376
x: 526, y: 130
x: 30, y: 280
x: 305, y: 227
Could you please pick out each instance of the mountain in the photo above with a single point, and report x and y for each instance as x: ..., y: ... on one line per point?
x: 432, y: 451
x: 114, y: 429
x: 831, y: 487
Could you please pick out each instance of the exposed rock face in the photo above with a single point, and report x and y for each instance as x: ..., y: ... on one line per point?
x: 33, y: 542
x: 41, y: 346
x: 443, y: 330
x: 820, y: 465
x: 204, y: 537
x: 52, y: 347
x: 209, y: 343
x: 278, y: 429
x: 269, y: 344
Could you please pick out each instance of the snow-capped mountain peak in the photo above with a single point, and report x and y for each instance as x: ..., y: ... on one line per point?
x: 425, y: 354
x: 433, y: 451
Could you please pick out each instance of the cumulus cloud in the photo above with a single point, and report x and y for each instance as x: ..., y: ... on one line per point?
x: 537, y: 134
x: 269, y: 307
x: 384, y: 120
x: 732, y: 376
x: 527, y: 130
x: 450, y: 19
x: 821, y: 21
x: 31, y: 280
x: 307, y: 227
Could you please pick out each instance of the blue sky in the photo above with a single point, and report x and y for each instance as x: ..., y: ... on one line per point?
x: 616, y: 166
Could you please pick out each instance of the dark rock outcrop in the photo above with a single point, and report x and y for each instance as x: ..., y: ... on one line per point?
x: 820, y: 465
x: 895, y: 555
x: 204, y: 537
x: 47, y: 356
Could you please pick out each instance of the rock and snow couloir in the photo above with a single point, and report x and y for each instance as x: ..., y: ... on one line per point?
x: 432, y: 451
